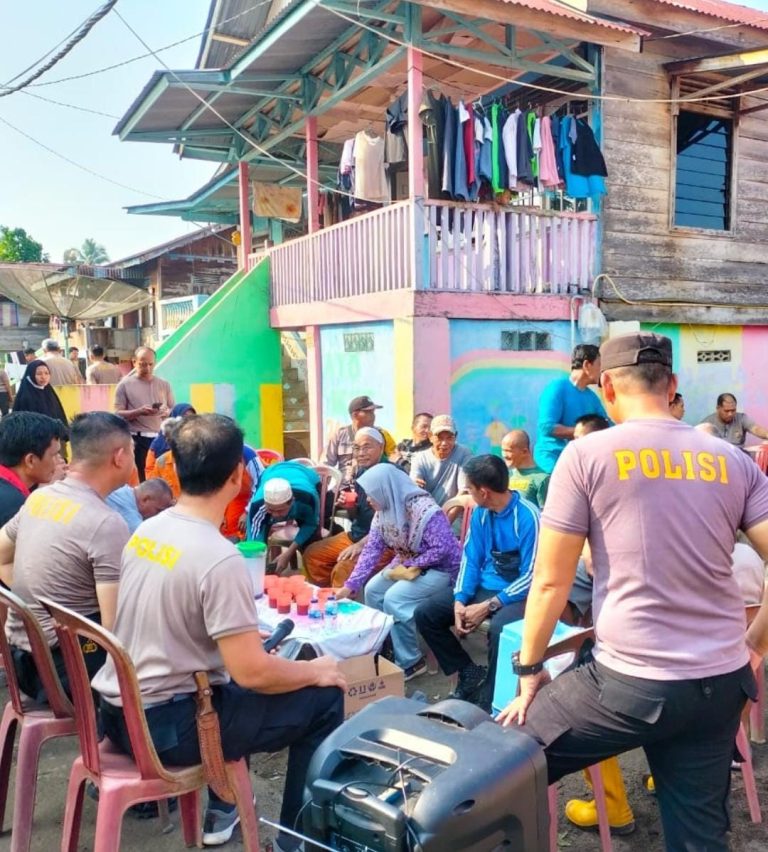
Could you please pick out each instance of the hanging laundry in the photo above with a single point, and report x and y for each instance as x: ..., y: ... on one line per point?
x: 469, y: 147
x: 555, y: 121
x: 530, y: 122
x: 509, y: 140
x: 485, y: 168
x: 499, y: 164
x: 524, y: 152
x: 371, y: 183
x: 433, y: 121
x: 548, y: 176
x: 587, y: 157
x: 396, y: 135
x: 477, y: 141
x: 577, y: 186
x: 449, y: 147
x: 460, y: 171
x: 272, y: 201
x: 347, y: 162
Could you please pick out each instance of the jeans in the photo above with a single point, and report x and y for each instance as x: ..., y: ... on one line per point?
x: 399, y: 598
x: 250, y: 722
x: 686, y: 727
x: 435, y: 618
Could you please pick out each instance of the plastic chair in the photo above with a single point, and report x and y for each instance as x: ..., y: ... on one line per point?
x: 123, y: 781
x: 269, y: 457
x: 305, y: 462
x: 757, y: 710
x: 748, y: 774
x: 36, y: 723
x: 330, y: 480
x: 572, y: 645
x: 761, y: 457
x: 467, y: 504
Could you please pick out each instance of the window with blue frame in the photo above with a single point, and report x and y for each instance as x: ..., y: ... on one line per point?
x: 703, y: 171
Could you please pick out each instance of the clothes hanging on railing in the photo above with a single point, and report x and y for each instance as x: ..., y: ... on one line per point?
x: 581, y: 185
x: 432, y: 117
x: 370, y: 181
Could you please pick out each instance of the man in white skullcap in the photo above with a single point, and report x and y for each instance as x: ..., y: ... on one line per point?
x: 280, y: 504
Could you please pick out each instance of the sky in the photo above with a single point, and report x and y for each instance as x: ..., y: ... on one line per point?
x: 55, y: 202
x: 58, y: 204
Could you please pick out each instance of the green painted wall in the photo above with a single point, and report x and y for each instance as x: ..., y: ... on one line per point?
x: 226, y: 358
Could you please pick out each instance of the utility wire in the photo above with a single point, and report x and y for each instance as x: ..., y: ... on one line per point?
x: 69, y: 106
x: 100, y: 13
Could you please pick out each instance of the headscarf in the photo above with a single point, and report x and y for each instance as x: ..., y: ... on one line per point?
x: 160, y: 444
x: 404, y: 508
x: 32, y: 397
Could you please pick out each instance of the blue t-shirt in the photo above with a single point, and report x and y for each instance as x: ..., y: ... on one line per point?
x: 123, y: 501
x: 561, y: 402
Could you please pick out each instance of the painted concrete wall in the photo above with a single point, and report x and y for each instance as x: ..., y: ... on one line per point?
x: 492, y: 390
x: 226, y: 359
x: 346, y: 375
x: 701, y: 383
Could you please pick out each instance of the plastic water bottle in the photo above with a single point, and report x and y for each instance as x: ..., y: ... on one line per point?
x: 315, y: 614
x: 331, y: 612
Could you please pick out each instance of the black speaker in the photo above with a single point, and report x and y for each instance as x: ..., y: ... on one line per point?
x: 400, y: 776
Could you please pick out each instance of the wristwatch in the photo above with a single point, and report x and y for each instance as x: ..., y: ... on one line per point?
x: 522, y: 671
x: 494, y: 605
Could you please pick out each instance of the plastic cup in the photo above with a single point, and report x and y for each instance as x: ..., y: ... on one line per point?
x: 302, y: 605
x: 270, y: 582
x: 284, y: 604
x: 274, y: 594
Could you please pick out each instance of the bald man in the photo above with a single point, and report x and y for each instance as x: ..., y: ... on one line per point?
x: 525, y: 475
x: 144, y: 401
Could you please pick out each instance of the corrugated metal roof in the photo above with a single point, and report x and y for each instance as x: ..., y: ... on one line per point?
x: 562, y: 10
x: 242, y: 19
x: 724, y: 11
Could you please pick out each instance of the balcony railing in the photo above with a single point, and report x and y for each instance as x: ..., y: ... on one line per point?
x: 462, y: 248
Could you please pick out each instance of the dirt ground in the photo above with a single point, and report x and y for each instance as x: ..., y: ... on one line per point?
x: 269, y: 771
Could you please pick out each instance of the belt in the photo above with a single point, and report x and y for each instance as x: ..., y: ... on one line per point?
x: 145, y: 434
x: 182, y: 696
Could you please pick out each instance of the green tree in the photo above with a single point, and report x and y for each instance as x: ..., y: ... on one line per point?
x: 16, y: 246
x: 90, y: 252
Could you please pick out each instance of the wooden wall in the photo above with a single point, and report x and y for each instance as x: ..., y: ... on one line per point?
x: 647, y: 259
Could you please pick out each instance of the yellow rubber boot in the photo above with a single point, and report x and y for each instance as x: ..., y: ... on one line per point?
x: 583, y: 814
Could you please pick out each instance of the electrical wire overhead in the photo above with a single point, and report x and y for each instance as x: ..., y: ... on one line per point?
x: 89, y: 24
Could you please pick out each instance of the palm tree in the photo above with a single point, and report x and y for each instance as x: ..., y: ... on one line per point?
x: 90, y: 253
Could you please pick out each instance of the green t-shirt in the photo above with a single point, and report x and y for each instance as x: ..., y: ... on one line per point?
x: 531, y: 482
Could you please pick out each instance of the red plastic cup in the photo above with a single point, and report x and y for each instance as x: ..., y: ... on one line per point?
x: 302, y: 605
x: 284, y: 604
x: 270, y: 582
x: 273, y: 596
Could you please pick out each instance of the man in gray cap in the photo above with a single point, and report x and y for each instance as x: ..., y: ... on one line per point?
x: 671, y: 669
x: 63, y: 371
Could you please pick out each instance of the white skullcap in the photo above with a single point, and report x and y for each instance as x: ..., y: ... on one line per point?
x: 277, y: 491
x: 370, y: 432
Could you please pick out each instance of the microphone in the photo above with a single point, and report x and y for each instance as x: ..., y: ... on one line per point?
x: 278, y: 634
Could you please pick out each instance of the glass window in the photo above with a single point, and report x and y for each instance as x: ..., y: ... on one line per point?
x: 703, y: 171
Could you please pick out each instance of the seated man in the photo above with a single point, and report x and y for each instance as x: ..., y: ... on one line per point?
x: 525, y: 475
x: 29, y: 456
x: 338, y: 451
x: 287, y: 492
x: 438, y: 470
x: 135, y: 504
x: 201, y: 616
x: 677, y: 406
x: 65, y: 543
x: 494, y: 578
x: 418, y: 441
x: 733, y: 425
x: 330, y: 561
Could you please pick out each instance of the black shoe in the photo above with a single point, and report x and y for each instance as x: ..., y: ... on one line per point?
x: 471, y: 678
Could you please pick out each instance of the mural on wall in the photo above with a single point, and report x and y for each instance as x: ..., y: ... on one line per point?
x: 357, y: 359
x: 495, y: 390
x: 710, y: 360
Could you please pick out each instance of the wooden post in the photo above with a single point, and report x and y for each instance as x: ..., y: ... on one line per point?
x: 246, y: 236
x: 313, y: 175
x: 415, y: 167
x: 315, y: 390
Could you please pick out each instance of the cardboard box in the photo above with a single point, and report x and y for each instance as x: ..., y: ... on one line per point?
x: 368, y: 680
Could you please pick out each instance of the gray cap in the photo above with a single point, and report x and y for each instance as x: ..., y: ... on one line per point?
x: 629, y: 350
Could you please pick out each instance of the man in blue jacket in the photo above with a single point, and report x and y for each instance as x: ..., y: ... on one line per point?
x: 494, y: 577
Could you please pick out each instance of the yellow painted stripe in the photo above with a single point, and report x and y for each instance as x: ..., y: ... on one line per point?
x: 271, y: 416
x: 403, y: 375
x: 77, y: 399
x: 203, y: 398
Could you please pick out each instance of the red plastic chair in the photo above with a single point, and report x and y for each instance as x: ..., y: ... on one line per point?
x: 36, y: 723
x: 761, y: 457
x: 123, y: 781
x: 269, y: 457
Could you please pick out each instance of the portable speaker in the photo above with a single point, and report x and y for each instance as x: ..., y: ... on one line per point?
x: 404, y: 777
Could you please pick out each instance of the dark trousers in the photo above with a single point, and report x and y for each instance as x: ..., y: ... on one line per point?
x: 686, y: 728
x: 435, y: 618
x: 141, y: 445
x: 26, y: 670
x: 250, y: 723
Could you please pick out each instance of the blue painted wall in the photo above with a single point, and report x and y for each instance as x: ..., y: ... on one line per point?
x: 350, y: 374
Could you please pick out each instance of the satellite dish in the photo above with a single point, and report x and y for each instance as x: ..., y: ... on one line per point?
x: 72, y: 291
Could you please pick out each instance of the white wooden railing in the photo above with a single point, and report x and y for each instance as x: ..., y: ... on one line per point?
x: 463, y: 247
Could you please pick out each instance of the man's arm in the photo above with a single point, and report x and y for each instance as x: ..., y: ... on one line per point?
x: 7, y: 552
x: 759, y: 431
x: 757, y: 633
x: 122, y: 409
x: 106, y: 594
x: 551, y: 412
x: 252, y: 668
